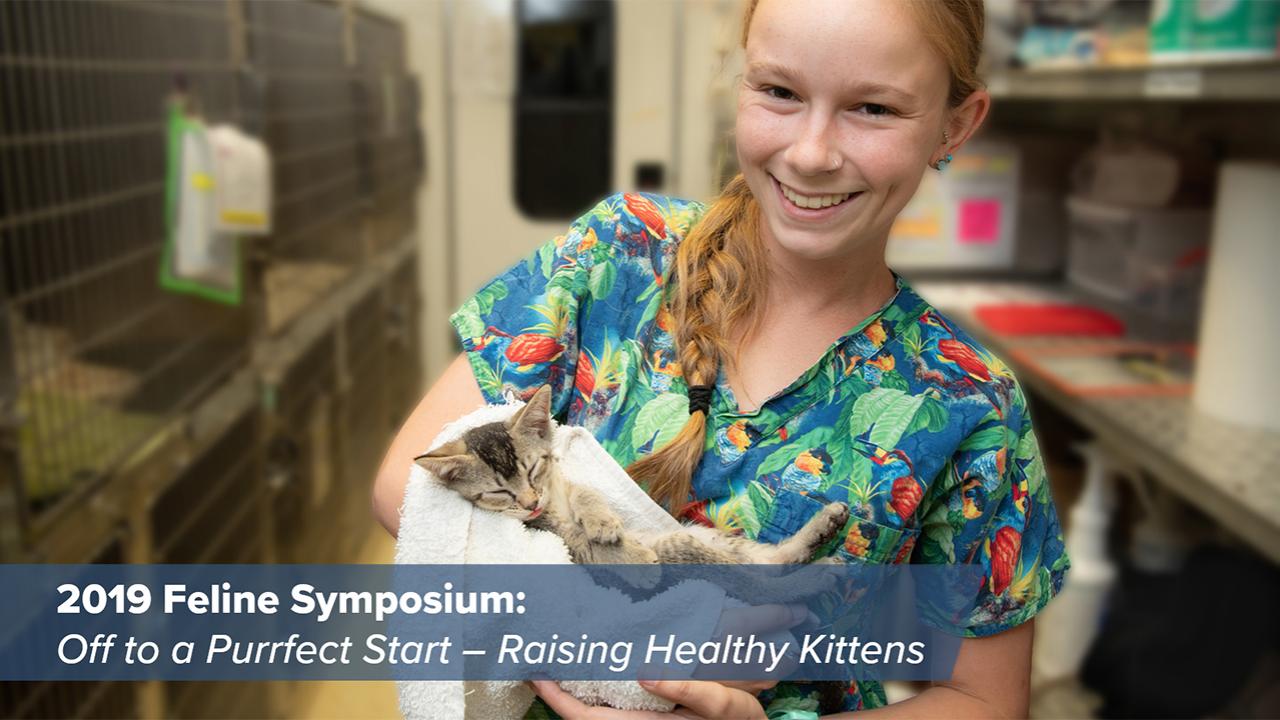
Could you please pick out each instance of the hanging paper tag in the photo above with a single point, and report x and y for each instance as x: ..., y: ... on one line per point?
x: 242, y: 176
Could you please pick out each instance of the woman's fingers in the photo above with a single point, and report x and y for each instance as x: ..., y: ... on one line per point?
x: 755, y: 687
x: 707, y: 699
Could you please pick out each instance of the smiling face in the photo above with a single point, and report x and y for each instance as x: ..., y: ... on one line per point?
x: 844, y: 104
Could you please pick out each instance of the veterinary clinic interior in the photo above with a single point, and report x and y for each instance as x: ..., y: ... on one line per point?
x: 232, y: 233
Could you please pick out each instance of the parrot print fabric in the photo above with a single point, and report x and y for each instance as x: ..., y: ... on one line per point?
x: 906, y: 418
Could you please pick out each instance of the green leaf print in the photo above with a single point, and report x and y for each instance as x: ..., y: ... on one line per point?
x: 487, y: 378
x: 870, y: 406
x: 497, y: 290
x: 650, y: 311
x: 843, y: 460
x: 932, y: 417
x: 605, y: 211
x: 1029, y: 450
x: 546, y: 255
x: 663, y: 416
x: 894, y: 379
x: 894, y: 419
x: 985, y: 438
x: 910, y: 337
x: 632, y: 370
x: 832, y: 381
x: 601, y: 281
x: 473, y: 312
x: 620, y: 448
x: 786, y: 705
x: 939, y: 535
x: 757, y: 506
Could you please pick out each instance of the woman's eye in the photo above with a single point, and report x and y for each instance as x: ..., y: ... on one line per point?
x: 875, y: 110
x: 778, y: 93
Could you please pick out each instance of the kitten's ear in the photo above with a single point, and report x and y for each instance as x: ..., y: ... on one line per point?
x: 446, y: 461
x: 535, y: 417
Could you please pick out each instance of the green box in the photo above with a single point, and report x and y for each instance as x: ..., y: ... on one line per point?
x: 1236, y: 29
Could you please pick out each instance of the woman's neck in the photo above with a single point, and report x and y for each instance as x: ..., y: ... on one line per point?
x: 851, y: 287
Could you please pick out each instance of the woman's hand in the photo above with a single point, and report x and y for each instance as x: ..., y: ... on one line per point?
x: 693, y: 698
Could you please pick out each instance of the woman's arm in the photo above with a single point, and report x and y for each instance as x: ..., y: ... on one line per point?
x: 991, y: 679
x: 455, y: 394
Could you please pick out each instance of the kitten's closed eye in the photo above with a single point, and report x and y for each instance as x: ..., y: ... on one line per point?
x: 497, y: 497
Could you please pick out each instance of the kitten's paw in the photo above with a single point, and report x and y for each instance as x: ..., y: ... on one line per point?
x: 833, y: 518
x: 605, y: 530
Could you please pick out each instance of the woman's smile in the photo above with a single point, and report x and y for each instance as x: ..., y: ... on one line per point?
x: 816, y: 207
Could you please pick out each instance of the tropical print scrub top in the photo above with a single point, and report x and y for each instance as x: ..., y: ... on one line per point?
x: 906, y: 418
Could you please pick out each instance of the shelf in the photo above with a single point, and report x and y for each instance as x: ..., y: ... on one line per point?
x: 1253, y: 81
x: 273, y: 356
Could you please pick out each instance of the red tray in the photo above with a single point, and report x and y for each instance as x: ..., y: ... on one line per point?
x: 1049, y: 319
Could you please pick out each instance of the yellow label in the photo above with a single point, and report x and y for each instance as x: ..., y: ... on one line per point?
x: 243, y: 217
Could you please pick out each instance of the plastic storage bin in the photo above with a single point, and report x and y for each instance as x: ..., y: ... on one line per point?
x: 1152, y: 258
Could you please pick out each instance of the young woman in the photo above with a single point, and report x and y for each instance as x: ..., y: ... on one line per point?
x: 752, y: 360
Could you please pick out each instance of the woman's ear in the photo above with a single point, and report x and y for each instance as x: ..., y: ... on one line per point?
x: 964, y: 121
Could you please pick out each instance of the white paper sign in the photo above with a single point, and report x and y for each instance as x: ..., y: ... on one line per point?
x: 242, y: 182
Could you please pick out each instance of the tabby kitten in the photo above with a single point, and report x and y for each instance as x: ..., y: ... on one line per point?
x: 508, y: 467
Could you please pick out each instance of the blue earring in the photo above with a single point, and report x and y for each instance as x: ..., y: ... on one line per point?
x: 943, y: 162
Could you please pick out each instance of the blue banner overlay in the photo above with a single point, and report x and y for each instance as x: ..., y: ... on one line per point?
x: 482, y: 622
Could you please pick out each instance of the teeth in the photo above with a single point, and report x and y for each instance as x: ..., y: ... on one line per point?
x: 813, y: 203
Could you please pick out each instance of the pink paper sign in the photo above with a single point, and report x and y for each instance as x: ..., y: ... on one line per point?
x: 979, y: 221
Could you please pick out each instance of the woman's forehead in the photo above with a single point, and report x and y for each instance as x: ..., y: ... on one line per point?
x: 854, y: 46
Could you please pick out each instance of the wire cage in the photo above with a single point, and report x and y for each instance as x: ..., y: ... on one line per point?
x: 299, y: 55
x: 89, y: 699
x: 212, y: 512
x: 94, y: 355
x: 300, y: 449
x: 392, y: 145
x: 215, y: 511
x: 404, y: 369
x: 362, y: 421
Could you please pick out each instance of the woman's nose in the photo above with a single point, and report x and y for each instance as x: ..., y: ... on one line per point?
x: 814, y: 151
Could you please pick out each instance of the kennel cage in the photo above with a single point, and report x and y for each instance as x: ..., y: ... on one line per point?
x: 301, y: 462
x: 403, y: 318
x: 94, y: 355
x: 300, y: 54
x: 392, y: 145
x: 62, y: 699
x: 363, y: 431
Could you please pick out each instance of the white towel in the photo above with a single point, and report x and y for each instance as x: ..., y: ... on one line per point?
x: 438, y: 527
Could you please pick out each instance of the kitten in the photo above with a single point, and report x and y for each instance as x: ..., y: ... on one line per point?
x: 508, y: 467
